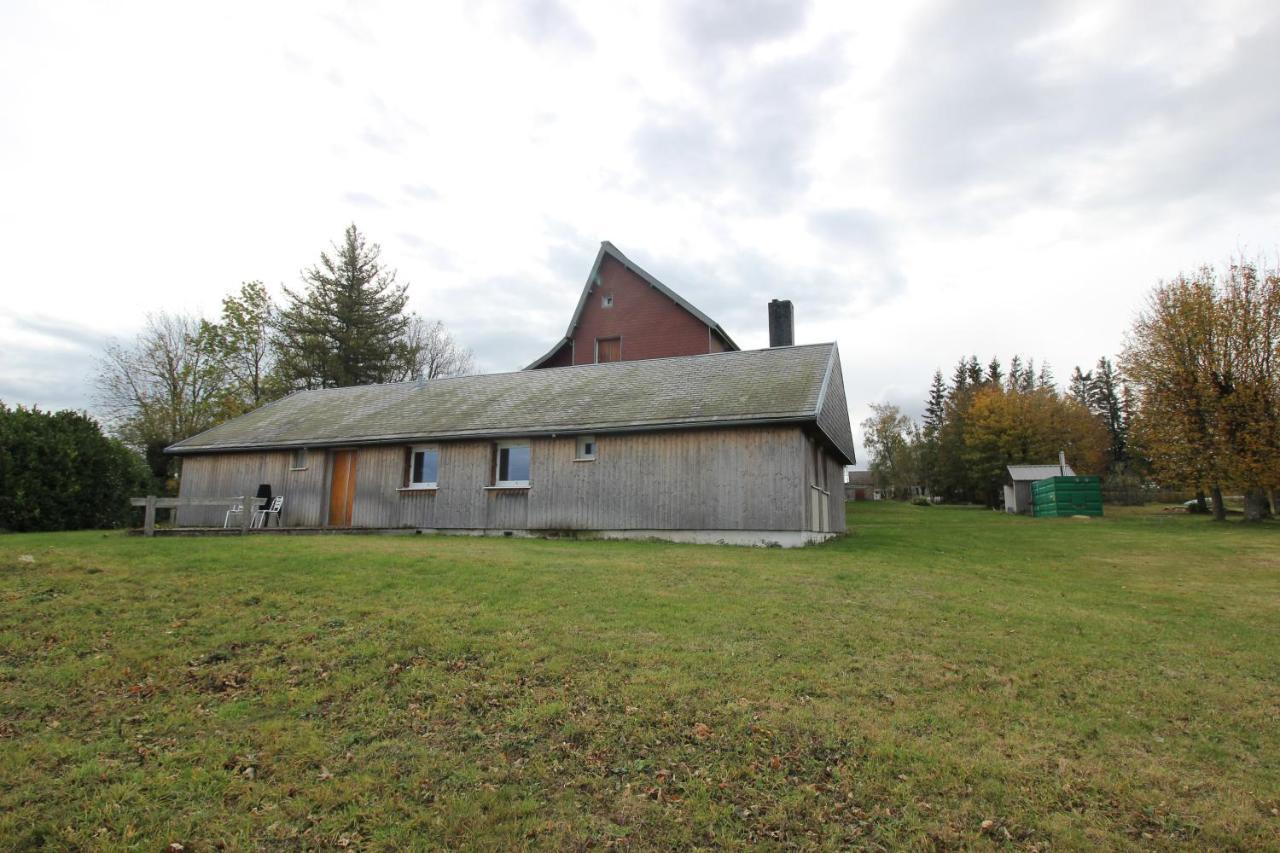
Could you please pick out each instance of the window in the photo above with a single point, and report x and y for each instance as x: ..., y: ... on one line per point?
x: 586, y: 448
x: 513, y: 464
x: 606, y: 301
x: 299, y: 460
x: 424, y: 467
x: 608, y: 349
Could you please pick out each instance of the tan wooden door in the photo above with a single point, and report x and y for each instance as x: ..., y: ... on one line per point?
x: 608, y: 349
x: 342, y: 487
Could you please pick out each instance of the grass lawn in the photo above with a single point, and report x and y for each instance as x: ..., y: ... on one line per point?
x: 943, y: 677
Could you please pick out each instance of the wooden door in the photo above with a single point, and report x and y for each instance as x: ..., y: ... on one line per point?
x: 608, y: 349
x: 342, y: 487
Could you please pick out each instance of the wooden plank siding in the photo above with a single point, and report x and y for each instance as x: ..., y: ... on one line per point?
x: 241, y: 474
x: 742, y: 478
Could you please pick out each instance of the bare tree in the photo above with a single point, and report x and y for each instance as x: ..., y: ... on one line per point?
x: 434, y: 352
x: 163, y: 387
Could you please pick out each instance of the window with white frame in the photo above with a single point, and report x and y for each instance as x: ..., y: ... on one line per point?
x: 607, y: 300
x: 586, y: 448
x: 424, y: 467
x: 512, y: 468
x: 299, y: 460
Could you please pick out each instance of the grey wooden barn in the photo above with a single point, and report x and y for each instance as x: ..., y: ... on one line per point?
x: 737, y: 447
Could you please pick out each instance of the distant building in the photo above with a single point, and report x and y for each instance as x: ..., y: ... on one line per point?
x: 859, y: 486
x: 625, y: 314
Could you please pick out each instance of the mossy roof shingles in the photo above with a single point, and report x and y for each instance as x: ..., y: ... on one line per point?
x: 782, y: 384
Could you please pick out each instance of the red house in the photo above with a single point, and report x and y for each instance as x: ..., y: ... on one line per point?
x: 625, y: 314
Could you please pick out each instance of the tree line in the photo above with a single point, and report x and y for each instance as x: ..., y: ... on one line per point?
x: 348, y: 324
x: 1192, y: 404
x: 974, y: 425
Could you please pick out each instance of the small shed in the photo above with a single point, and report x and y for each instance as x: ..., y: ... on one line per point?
x: 1018, y: 481
x: 1056, y: 497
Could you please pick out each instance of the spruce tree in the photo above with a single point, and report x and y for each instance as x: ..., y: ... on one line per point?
x: 1028, y: 380
x: 1015, y: 373
x: 974, y: 369
x: 1081, y: 387
x: 960, y: 377
x: 349, y: 326
x: 1104, y: 401
x: 994, y: 374
x: 935, y: 408
x: 1046, y: 381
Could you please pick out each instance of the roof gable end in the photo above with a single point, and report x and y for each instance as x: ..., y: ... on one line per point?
x: 608, y: 250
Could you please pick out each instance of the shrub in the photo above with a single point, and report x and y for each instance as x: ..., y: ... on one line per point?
x: 59, y: 472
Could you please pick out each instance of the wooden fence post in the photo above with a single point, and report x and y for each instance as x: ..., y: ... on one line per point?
x: 149, y: 520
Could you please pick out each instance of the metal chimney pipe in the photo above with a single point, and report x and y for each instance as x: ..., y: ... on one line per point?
x: 1062, y: 463
x: 782, y: 332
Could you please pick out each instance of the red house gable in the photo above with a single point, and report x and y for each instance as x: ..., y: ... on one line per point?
x: 625, y: 314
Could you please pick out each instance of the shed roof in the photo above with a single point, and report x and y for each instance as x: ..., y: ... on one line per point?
x: 784, y: 384
x: 1037, y: 472
x: 608, y: 250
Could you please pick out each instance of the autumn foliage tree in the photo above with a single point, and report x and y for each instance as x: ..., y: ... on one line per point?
x: 1202, y: 357
x: 1011, y: 426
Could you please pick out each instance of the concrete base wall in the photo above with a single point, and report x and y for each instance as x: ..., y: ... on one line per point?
x: 746, y: 538
x: 749, y: 538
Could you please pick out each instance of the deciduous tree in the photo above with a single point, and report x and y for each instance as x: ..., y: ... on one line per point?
x: 164, y: 386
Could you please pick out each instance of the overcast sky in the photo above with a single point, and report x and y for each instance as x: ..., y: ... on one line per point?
x: 923, y: 180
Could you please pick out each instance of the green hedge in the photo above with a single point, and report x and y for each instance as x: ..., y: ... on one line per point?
x: 59, y: 472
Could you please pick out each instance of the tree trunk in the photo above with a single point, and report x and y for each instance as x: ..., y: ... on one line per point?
x: 1255, y: 505
x: 1202, y: 503
x: 1275, y: 502
x: 1219, y: 508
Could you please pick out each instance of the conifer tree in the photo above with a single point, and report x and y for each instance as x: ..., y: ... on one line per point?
x: 1028, y: 381
x: 974, y: 370
x: 1104, y: 402
x: 1046, y: 381
x: 349, y: 326
x: 960, y: 377
x: 1015, y: 373
x: 1081, y: 386
x: 994, y: 374
x: 935, y: 408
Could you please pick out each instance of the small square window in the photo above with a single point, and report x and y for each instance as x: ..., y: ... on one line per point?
x: 607, y: 300
x: 299, y: 460
x: 424, y: 467
x: 586, y: 447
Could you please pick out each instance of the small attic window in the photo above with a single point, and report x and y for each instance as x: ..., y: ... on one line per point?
x: 606, y: 301
x: 298, y: 462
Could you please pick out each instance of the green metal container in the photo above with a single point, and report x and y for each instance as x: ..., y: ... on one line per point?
x: 1066, y: 496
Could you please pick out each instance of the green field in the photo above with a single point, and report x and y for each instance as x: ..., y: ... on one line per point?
x: 940, y: 678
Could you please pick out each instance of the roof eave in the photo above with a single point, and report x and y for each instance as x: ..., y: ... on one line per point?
x: 541, y: 432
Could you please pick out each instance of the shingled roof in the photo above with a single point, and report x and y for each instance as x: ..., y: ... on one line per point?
x: 800, y: 384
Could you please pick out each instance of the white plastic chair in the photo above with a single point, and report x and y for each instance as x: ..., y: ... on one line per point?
x: 260, y: 515
x: 236, y: 509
